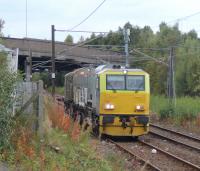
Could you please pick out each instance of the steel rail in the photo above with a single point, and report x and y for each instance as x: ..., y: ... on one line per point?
x: 136, y: 156
x: 171, y: 155
x: 175, y: 132
x: 173, y: 140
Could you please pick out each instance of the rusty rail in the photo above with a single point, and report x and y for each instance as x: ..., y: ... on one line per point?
x: 175, y: 132
x: 171, y: 155
x: 136, y: 156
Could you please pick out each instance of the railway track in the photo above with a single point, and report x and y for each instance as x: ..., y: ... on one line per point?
x: 145, y: 162
x: 168, y: 159
x: 175, y: 137
x: 193, y: 166
x: 175, y: 132
x: 165, y: 158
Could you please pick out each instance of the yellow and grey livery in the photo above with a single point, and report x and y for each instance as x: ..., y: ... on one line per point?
x: 115, y: 99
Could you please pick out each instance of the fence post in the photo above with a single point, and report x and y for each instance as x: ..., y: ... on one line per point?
x: 40, y: 108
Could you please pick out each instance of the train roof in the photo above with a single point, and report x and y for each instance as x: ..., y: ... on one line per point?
x: 103, y: 68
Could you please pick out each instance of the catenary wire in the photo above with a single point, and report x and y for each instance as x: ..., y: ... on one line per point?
x: 88, y: 15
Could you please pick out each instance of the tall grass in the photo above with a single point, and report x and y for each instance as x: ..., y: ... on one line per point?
x: 58, y: 90
x: 63, y: 147
x: 184, y: 108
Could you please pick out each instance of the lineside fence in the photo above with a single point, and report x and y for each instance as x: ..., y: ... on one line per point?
x: 29, y: 101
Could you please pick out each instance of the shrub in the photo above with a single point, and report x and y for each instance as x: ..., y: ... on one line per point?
x: 7, y: 85
x: 74, y: 152
x: 167, y: 112
x: 185, y: 108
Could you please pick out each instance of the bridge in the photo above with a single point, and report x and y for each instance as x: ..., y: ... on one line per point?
x: 68, y: 57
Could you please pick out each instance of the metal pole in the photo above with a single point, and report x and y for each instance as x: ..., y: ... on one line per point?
x: 26, y: 19
x: 28, y: 68
x: 173, y: 78
x: 171, y: 85
x: 126, y: 39
x: 40, y: 109
x: 30, y: 60
x: 53, y: 76
x: 169, y: 76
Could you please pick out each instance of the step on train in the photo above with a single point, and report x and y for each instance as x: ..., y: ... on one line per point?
x: 114, y: 100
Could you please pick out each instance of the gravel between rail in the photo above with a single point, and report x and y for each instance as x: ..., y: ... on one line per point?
x: 176, y: 149
x: 170, y: 155
x: 159, y: 159
x: 179, y: 138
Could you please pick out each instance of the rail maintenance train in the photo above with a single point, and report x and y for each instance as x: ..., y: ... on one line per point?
x: 113, y: 98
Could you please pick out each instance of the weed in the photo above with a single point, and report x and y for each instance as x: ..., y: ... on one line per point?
x: 74, y: 151
x: 185, y: 108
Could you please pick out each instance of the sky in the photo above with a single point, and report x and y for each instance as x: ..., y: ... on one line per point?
x: 64, y: 14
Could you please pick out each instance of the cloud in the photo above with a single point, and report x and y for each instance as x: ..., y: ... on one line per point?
x: 112, y: 14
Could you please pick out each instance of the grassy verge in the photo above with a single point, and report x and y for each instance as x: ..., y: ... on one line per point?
x: 58, y: 90
x: 184, y: 109
x: 64, y: 146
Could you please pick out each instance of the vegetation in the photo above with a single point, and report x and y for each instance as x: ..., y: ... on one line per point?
x: 157, y: 45
x: 69, y: 39
x: 7, y: 85
x: 46, y: 78
x: 58, y: 90
x: 64, y: 145
x: 181, y: 110
x: 2, y: 22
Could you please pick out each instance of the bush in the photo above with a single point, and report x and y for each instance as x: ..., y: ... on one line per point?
x: 185, y: 108
x: 63, y: 147
x: 167, y: 112
x: 7, y: 86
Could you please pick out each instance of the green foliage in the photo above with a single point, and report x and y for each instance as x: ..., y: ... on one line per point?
x: 116, y: 162
x: 44, y: 76
x: 185, y: 108
x: 7, y: 84
x: 188, y: 70
x: 72, y: 155
x: 81, y: 39
x: 58, y: 90
x: 187, y: 58
x: 2, y: 22
x: 69, y: 39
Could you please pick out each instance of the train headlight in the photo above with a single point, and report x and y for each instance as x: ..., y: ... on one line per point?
x: 125, y: 71
x: 109, y: 106
x: 139, y: 108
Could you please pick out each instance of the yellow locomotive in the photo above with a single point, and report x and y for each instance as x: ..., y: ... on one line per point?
x: 113, y: 98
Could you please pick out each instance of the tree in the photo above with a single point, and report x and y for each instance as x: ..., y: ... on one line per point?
x: 193, y: 34
x: 81, y: 39
x: 188, y: 68
x: 157, y: 45
x: 69, y: 39
x: 2, y: 22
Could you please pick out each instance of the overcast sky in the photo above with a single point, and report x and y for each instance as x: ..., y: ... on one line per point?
x: 64, y: 14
